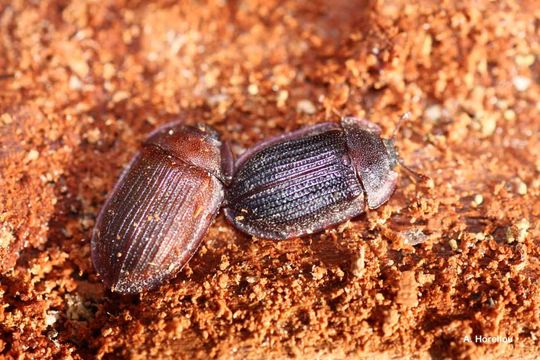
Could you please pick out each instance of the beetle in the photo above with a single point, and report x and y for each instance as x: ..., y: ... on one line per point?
x: 156, y: 215
x: 303, y: 182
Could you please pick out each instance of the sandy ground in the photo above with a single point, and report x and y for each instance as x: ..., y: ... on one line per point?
x: 82, y: 83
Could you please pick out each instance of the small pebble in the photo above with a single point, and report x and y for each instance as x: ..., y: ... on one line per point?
x: 6, y: 119
x: 359, y: 265
x: 521, y: 83
x: 32, y: 155
x: 509, y: 115
x: 6, y: 237
x: 478, y: 200
x: 120, y: 96
x: 413, y: 236
x: 525, y: 60
x: 318, y: 272
x: 282, y: 97
x: 488, y: 125
x: 522, y: 229
x: 108, y: 71
x: 223, y: 281
x: 521, y: 188
x: 93, y: 135
x: 306, y: 107
x: 224, y: 263
x: 51, y: 317
x: 434, y: 112
x: 75, y: 83
x: 518, y: 231
x: 253, y: 89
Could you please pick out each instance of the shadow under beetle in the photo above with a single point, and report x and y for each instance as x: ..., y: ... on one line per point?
x: 291, y: 185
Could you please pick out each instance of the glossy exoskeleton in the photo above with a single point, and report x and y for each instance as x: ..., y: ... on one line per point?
x: 310, y: 179
x: 155, y: 217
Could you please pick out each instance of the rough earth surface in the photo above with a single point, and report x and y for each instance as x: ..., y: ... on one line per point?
x: 83, y: 82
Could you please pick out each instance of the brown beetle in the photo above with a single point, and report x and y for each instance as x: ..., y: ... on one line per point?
x: 305, y: 181
x: 155, y: 217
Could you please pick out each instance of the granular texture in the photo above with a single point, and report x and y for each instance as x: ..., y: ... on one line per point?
x: 83, y: 82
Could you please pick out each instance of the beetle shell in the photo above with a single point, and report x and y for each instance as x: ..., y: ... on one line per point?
x: 155, y: 217
x: 313, y: 178
x: 373, y: 158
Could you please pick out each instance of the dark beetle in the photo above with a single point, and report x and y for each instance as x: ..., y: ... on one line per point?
x: 305, y: 181
x: 156, y: 215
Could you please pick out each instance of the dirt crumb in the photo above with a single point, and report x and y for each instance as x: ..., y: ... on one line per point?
x: 407, y: 293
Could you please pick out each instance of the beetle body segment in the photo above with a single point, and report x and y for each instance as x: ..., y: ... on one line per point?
x: 299, y: 184
x: 373, y: 158
x: 154, y: 219
x: 308, y: 180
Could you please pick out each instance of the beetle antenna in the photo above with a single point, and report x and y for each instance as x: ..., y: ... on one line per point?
x: 404, y: 117
x: 416, y: 175
x: 336, y: 112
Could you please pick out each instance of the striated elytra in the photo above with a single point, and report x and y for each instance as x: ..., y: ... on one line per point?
x: 292, y: 185
x: 155, y: 217
x: 305, y: 181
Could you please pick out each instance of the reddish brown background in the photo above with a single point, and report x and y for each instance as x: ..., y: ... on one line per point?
x: 81, y: 84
